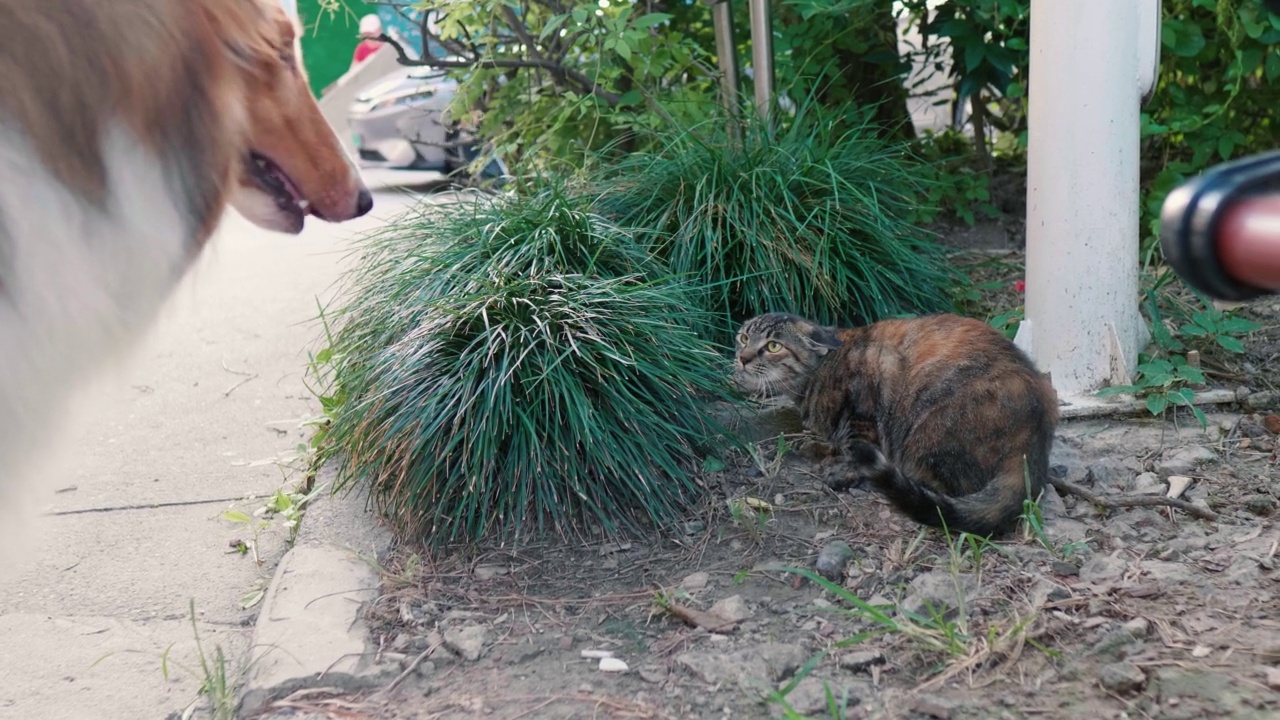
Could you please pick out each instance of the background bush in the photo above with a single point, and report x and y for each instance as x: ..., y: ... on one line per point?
x: 809, y: 218
x: 516, y: 366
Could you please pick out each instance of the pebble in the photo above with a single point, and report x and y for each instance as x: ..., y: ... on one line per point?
x: 612, y: 665
x: 936, y: 706
x: 832, y: 560
x: 695, y: 581
x: 861, y: 660
x: 1273, y: 678
x: 596, y: 654
x: 1122, y: 677
x: 732, y: 608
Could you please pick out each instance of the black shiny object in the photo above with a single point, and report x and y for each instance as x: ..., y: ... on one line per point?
x: 1192, y: 214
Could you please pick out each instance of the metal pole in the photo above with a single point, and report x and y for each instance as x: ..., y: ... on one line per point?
x: 762, y: 55
x: 726, y: 54
x: 1087, y: 75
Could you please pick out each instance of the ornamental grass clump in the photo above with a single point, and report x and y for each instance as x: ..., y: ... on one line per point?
x: 808, y: 218
x: 513, y: 366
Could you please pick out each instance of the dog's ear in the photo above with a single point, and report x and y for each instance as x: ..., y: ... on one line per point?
x: 260, y: 34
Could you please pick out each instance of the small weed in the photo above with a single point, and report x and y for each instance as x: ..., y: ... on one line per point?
x: 932, y: 631
x: 1165, y: 377
x: 1033, y: 525
x: 285, y: 507
x: 216, y: 682
x: 770, y: 468
x: 750, y: 514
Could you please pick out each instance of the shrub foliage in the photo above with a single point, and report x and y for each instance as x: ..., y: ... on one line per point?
x: 809, y: 218
x: 514, y: 366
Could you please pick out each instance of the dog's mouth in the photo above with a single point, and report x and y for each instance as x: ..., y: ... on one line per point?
x: 273, y: 180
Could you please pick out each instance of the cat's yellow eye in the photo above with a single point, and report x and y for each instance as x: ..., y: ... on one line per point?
x: 774, y: 346
x: 742, y: 338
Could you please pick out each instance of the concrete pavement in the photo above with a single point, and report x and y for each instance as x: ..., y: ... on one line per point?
x: 199, y: 414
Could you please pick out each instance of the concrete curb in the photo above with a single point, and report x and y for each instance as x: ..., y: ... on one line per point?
x: 311, y: 631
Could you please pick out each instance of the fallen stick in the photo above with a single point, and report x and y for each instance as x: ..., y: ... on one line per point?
x: 698, y: 618
x: 1128, y: 501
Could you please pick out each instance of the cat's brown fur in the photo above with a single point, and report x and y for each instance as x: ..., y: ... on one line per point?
x: 941, y: 413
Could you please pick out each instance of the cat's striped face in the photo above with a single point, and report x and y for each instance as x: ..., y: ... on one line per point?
x: 775, y: 354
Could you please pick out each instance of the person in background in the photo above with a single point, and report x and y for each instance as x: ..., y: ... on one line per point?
x: 370, y: 29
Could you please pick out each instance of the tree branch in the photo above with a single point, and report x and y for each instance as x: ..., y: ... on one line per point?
x: 1127, y: 501
x: 585, y: 83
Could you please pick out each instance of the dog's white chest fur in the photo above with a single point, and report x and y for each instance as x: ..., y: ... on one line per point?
x: 76, y: 282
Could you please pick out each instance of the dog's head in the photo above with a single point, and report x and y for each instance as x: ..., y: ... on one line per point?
x: 293, y: 165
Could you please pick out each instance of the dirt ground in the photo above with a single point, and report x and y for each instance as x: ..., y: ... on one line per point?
x: 1142, y: 612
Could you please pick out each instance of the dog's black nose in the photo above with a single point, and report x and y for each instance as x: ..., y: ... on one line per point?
x: 364, y: 203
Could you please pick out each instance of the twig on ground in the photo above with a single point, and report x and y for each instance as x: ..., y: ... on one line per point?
x: 1128, y: 501
x: 697, y: 618
x: 411, y: 667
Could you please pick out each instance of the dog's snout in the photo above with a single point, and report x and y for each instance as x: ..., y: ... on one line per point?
x: 364, y: 202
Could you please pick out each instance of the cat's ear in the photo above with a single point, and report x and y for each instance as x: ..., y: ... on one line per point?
x: 821, y: 340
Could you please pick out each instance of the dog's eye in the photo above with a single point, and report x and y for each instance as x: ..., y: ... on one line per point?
x: 774, y: 346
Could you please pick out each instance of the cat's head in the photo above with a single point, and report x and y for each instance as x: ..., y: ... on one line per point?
x: 776, y: 353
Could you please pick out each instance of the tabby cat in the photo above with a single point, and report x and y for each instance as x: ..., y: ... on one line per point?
x: 943, y: 414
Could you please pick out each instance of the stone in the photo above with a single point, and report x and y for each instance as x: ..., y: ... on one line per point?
x: 753, y: 669
x: 1110, y: 473
x: 1064, y: 568
x: 695, y: 581
x: 861, y: 660
x: 613, y: 665
x: 489, y: 572
x: 809, y: 696
x: 466, y: 641
x: 1046, y: 591
x: 1260, y: 504
x: 653, y: 675
x: 832, y: 560
x: 565, y: 642
x: 936, y: 706
x: 1148, y: 483
x: 1102, y: 569
x: 938, y: 591
x: 1122, y: 677
x: 1273, y: 678
x: 1260, y: 400
x: 732, y: 608
x: 1183, y: 461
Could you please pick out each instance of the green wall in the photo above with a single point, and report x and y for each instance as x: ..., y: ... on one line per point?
x: 329, y: 38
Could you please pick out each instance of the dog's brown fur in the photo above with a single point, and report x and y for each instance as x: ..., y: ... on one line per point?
x: 200, y: 82
x: 126, y: 129
x: 945, y: 416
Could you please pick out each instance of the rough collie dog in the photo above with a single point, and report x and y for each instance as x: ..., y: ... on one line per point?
x: 126, y: 128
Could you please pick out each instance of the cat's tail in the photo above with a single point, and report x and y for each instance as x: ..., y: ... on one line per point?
x: 992, y: 510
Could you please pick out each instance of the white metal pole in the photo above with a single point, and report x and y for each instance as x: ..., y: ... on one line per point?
x: 1087, y: 69
x: 762, y: 55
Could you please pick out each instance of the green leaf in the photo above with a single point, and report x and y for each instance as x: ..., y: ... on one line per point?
x: 1193, y: 330
x: 1182, y: 396
x: 1156, y: 404
x: 1204, y: 421
x: 237, y: 516
x: 713, y: 464
x: 1230, y: 343
x: 1192, y: 374
x: 1235, y: 324
x: 623, y: 50
x: 973, y: 55
x: 649, y: 20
